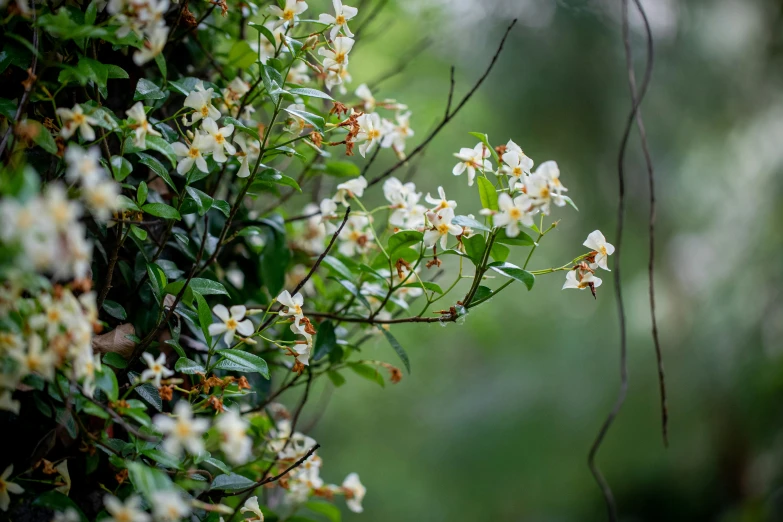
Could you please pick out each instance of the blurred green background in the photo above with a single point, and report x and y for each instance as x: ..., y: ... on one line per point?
x: 497, y: 417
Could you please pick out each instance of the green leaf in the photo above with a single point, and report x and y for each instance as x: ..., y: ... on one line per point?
x: 243, y: 362
x: 264, y: 31
x: 189, y: 367
x: 312, y: 93
x: 146, y: 391
x: 139, y: 232
x: 198, y: 285
x: 115, y: 310
x: 428, y: 285
x: 107, y: 381
x: 521, y: 240
x: 203, y: 200
x: 313, y: 119
x: 570, y: 202
x: 465, y: 221
x: 330, y: 511
x: 161, y: 63
x: 161, y: 210
x: 272, y: 82
x: 58, y: 502
x: 120, y: 168
x: 483, y: 138
x: 146, y: 90
x: 158, y: 144
x: 228, y: 120
x: 164, y: 459
x: 336, y: 378
x: 157, y: 167
x: 474, y: 247
x: 141, y: 193
x: 157, y: 280
x: 482, y: 293
x: 91, y: 13
x: 116, y: 72
x: 487, y: 193
x: 147, y: 480
x: 217, y: 463
x: 241, y: 55
x: 368, y: 372
x: 403, y: 239
x: 342, y: 169
x: 204, y: 315
x: 514, y: 272
x: 499, y: 252
x: 42, y: 137
x: 337, y: 266
x: 231, y: 482
x: 115, y: 359
x: 325, y: 340
x: 397, y: 348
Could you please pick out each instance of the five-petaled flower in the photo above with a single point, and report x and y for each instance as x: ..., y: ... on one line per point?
x: 201, y: 102
x: 6, y: 487
x: 354, y: 492
x: 231, y: 322
x: 193, y: 154
x: 156, y: 369
x: 342, y: 13
x: 220, y: 145
x: 353, y: 188
x: 472, y: 159
x: 128, y: 511
x: 288, y: 14
x: 75, y: 119
x: 182, y: 430
x: 597, y: 242
x: 142, y: 126
x: 337, y: 56
x: 581, y: 279
x: 512, y: 213
x: 293, y: 306
x: 441, y: 228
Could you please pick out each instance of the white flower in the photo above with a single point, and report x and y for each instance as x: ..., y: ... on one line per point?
x: 328, y: 208
x: 288, y: 15
x: 298, y: 74
x: 369, y: 132
x: 182, y: 431
x: 349, y: 189
x: 441, y: 203
x: 581, y: 280
x: 62, y: 469
x: 80, y: 251
x: 234, y: 441
x: 7, y: 487
x: 303, y: 348
x: 201, y: 102
x: 249, y: 151
x: 394, y: 135
x: 156, y: 369
x: 153, y: 46
x: 69, y: 515
x: 194, y: 154
x: 404, y: 199
x: 36, y: 359
x: 513, y: 212
x: 7, y: 403
x: 85, y: 366
x: 441, y: 228
x: 516, y: 164
x: 337, y: 57
x: 363, y: 92
x: 127, y: 512
x: 354, y: 492
x: 62, y: 211
x: 75, y: 119
x: 251, y: 506
x: 295, y: 125
x: 83, y: 165
x: 168, y: 506
x: 101, y: 198
x: 543, y: 187
x: 597, y: 242
x: 231, y: 322
x: 342, y: 13
x: 143, y: 127
x: 551, y: 172
x: 220, y: 144
x: 293, y: 307
x: 470, y: 160
x: 355, y: 237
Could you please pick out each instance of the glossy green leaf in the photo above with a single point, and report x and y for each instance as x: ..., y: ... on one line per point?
x: 514, y: 272
x: 487, y: 193
x: 397, y: 348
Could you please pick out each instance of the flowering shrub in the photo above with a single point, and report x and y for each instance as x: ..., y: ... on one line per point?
x: 159, y: 294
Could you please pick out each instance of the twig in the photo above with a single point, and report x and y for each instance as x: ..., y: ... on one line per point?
x: 651, y: 222
x: 602, y: 483
x: 27, y: 90
x: 448, y: 117
x: 451, y: 93
x: 313, y: 269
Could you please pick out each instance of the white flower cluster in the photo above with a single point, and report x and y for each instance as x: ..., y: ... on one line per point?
x: 583, y: 275
x: 375, y: 130
x: 145, y: 18
x: 57, y: 330
x: 305, y: 480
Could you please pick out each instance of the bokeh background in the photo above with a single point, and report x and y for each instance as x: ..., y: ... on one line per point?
x: 497, y: 417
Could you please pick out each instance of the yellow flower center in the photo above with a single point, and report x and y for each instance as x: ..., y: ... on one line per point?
x: 515, y: 213
x: 339, y: 20
x: 443, y: 229
x: 53, y: 315
x: 544, y: 192
x: 288, y: 14
x: 183, y: 430
x: 78, y: 119
x: 339, y: 57
x: 602, y: 249
x: 156, y: 368
x: 123, y: 516
x: 204, y: 111
x: 517, y: 172
x: 194, y: 153
x: 232, y: 323
x: 373, y: 134
x: 219, y: 138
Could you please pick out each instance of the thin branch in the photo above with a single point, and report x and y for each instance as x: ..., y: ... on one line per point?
x: 448, y: 117
x: 623, y: 391
x: 651, y: 223
x: 451, y: 93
